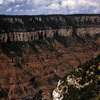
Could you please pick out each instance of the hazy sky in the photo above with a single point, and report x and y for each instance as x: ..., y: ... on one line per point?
x: 37, y: 7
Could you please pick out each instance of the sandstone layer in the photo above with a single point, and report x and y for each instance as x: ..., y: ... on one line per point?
x: 42, y: 34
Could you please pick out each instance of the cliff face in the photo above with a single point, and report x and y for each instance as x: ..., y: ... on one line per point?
x: 42, y: 34
x: 31, y: 23
x: 29, y: 28
x: 36, y: 35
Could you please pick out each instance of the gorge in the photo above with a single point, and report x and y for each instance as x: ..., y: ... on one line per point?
x: 37, y: 51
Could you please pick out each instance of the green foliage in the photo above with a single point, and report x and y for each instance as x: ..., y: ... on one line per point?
x: 36, y: 84
x: 88, y: 36
x: 19, y: 47
x: 39, y: 42
x: 56, y: 77
x: 27, y: 72
x: 87, y: 64
x: 98, y: 81
x: 19, y: 91
x: 25, y: 89
x: 19, y: 66
x: 64, y: 78
x: 98, y: 97
x: 89, y: 91
x: 96, y: 36
x: 47, y: 21
x: 3, y: 93
x: 15, y: 46
x: 32, y: 45
x: 50, y: 80
x: 66, y: 41
x: 82, y: 94
x: 81, y: 82
x: 50, y: 40
x: 80, y: 39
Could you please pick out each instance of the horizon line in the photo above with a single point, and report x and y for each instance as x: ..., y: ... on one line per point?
x: 49, y: 14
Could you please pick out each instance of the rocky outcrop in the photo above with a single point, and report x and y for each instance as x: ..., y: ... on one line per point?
x: 80, y: 82
x: 42, y: 34
x: 71, y: 81
x: 36, y: 35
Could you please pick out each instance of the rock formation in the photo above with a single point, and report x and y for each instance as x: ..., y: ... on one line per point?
x: 42, y: 34
x: 36, y: 51
x: 36, y: 35
x: 79, y: 84
x: 42, y: 22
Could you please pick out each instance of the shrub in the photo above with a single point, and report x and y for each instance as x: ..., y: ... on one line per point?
x: 50, y: 80
x: 15, y: 46
x: 56, y: 78
x: 37, y: 84
x: 3, y: 93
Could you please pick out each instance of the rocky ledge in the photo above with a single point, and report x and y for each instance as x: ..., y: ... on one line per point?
x: 78, y: 81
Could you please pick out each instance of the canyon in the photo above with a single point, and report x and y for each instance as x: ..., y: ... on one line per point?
x: 34, y: 57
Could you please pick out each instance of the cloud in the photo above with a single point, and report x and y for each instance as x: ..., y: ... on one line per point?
x: 79, y: 5
x: 49, y: 6
x: 68, y: 3
x: 8, y: 10
x: 27, y: 10
x: 9, y: 2
x: 66, y: 6
x: 15, y: 10
x: 21, y: 10
x: 53, y: 6
x: 17, y: 6
x: 37, y: 3
x: 32, y: 10
x: 6, y: 2
x: 1, y: 1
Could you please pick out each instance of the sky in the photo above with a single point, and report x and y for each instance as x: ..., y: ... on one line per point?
x: 45, y: 7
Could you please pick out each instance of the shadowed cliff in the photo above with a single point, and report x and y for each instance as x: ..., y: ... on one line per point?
x: 43, y: 22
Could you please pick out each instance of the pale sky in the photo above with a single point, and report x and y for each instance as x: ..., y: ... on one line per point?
x: 37, y: 7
